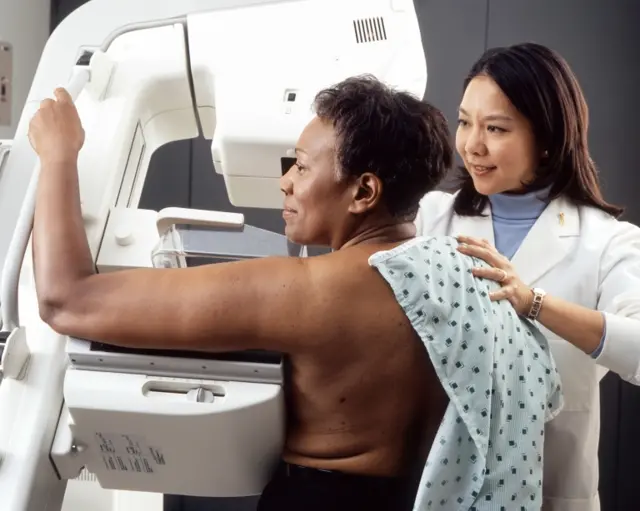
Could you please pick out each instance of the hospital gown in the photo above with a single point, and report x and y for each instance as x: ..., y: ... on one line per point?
x: 497, y: 370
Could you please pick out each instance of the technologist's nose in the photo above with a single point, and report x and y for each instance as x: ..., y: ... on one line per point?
x: 474, y: 144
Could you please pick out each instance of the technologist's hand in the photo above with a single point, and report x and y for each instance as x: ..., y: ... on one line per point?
x: 55, y: 131
x: 502, y: 271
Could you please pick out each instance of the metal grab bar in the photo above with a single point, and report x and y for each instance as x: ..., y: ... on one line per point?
x: 20, y: 239
x: 18, y: 246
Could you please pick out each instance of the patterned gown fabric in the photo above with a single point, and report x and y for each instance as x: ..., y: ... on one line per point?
x: 497, y: 370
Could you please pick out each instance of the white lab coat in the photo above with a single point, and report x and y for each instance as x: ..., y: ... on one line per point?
x: 586, y: 257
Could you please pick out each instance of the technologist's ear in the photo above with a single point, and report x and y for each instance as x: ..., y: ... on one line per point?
x: 367, y: 192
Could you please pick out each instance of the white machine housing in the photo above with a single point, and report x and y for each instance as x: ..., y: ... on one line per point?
x: 243, y: 74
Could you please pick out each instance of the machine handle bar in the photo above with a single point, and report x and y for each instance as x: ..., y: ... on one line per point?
x: 20, y: 239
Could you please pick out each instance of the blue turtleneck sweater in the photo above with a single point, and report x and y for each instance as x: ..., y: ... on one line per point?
x: 513, y: 217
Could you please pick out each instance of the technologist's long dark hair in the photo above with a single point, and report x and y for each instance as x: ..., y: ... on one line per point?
x: 541, y: 85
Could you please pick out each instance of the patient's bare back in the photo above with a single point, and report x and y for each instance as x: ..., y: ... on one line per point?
x: 365, y: 398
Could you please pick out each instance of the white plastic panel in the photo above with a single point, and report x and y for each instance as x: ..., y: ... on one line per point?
x: 161, y: 435
x: 149, y: 78
x: 5, y: 149
x: 88, y: 26
x: 86, y: 494
x: 260, y: 94
x: 129, y: 240
x: 25, y: 443
x: 133, y: 167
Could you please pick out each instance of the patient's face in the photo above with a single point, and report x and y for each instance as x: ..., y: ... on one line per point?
x: 316, y: 200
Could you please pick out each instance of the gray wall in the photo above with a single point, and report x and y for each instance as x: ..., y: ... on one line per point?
x: 601, y: 41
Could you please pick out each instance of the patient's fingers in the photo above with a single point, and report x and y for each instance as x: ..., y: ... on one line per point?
x: 63, y: 95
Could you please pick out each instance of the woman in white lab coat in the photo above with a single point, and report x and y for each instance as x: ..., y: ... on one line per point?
x: 529, y: 204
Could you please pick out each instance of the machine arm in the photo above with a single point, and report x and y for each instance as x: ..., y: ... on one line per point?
x: 242, y: 73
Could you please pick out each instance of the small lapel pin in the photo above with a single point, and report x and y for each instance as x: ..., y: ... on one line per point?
x: 561, y: 218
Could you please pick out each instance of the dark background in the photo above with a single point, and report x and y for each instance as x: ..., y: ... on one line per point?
x: 601, y: 41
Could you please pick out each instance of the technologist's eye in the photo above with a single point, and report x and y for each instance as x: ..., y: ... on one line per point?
x: 462, y: 122
x: 496, y: 129
x: 301, y: 168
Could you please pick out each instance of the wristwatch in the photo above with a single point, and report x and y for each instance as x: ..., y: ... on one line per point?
x: 538, y: 298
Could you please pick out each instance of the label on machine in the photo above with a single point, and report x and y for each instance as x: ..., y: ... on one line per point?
x: 128, y: 453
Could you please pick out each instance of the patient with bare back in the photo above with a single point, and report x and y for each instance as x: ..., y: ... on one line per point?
x: 408, y: 383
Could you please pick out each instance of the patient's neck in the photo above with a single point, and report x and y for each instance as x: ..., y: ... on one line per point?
x: 381, y: 233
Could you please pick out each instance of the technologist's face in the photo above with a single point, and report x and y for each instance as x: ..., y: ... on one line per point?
x: 316, y: 201
x: 494, y: 140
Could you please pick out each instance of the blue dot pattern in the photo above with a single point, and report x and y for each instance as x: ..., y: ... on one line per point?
x: 502, y: 382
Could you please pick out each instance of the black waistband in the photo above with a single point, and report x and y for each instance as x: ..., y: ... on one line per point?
x: 295, y: 488
x: 300, y: 472
x: 291, y: 470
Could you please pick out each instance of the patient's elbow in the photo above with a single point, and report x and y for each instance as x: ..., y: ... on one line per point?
x: 51, y: 310
x: 48, y: 309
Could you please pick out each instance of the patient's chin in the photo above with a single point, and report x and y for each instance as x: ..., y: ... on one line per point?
x: 297, y: 239
x: 292, y: 235
x: 295, y: 236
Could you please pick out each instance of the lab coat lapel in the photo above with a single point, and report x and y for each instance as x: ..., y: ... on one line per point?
x: 548, y: 242
x: 474, y: 226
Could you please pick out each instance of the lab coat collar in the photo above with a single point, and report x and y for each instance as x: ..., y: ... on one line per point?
x: 546, y: 244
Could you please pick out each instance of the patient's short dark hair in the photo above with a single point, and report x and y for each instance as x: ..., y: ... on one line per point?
x: 401, y: 139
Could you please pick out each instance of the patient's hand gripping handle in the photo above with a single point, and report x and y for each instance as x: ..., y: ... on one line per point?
x: 20, y: 239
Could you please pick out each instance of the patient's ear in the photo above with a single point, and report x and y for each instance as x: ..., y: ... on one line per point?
x: 367, y: 193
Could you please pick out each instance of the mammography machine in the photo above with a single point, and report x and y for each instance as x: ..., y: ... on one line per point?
x: 143, y: 73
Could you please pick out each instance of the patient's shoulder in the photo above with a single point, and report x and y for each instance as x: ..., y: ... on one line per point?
x: 353, y: 275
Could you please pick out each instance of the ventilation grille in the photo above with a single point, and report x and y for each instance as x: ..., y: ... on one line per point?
x: 369, y: 30
x: 87, y: 476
